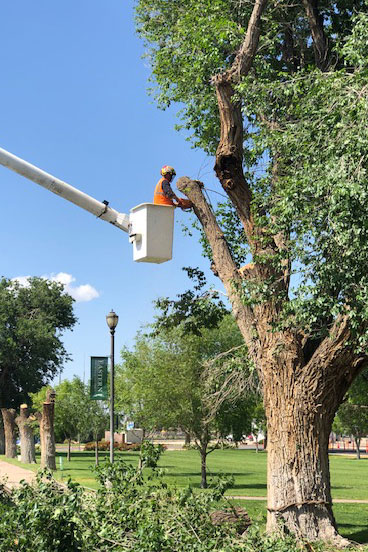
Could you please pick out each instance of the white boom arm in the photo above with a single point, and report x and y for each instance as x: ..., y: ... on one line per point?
x: 64, y: 190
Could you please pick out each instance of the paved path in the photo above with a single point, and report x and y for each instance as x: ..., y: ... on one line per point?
x: 14, y: 474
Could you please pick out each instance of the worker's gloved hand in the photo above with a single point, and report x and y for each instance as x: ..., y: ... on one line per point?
x: 185, y: 204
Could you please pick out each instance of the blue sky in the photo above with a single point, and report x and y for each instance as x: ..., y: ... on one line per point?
x: 74, y: 102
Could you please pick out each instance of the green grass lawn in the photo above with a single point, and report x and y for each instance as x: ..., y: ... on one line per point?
x: 349, y: 479
x: 352, y: 519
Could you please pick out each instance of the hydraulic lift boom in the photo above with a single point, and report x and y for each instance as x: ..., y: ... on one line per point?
x: 150, y: 227
x: 64, y: 190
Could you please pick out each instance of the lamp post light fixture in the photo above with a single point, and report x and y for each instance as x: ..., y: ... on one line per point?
x: 112, y: 320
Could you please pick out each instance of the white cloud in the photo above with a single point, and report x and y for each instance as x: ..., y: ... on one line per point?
x: 22, y: 280
x: 84, y: 292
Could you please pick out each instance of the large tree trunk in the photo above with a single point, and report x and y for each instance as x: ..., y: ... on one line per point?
x: 2, y: 436
x: 302, y: 390
x: 301, y: 394
x: 27, y: 444
x: 47, y: 436
x: 9, y: 415
x: 301, y: 399
x: 298, y: 475
x: 298, y: 468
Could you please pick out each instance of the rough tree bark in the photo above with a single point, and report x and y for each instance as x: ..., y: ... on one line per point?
x: 9, y: 415
x: 27, y: 444
x: 47, y: 436
x: 320, y: 43
x: 302, y: 391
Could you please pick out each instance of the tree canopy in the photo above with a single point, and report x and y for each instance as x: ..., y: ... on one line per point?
x: 304, y: 138
x: 163, y: 384
x: 278, y: 93
x: 32, y: 321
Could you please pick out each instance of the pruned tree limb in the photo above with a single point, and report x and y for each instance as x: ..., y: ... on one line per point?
x: 225, y: 264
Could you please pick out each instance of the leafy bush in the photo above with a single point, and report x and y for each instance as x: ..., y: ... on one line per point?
x: 150, y: 454
x: 125, y: 514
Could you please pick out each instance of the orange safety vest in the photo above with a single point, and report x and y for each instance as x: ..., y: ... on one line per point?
x: 159, y: 197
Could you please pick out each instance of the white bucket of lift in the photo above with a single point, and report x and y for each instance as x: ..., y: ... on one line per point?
x: 151, y: 232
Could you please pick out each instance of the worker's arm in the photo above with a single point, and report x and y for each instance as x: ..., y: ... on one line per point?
x: 168, y: 192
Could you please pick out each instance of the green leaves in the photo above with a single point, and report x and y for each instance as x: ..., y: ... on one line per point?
x: 186, y: 43
x: 32, y: 320
x: 312, y: 125
x: 305, y: 138
x: 191, y: 311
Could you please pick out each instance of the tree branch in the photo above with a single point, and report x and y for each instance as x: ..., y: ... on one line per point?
x: 334, y: 364
x: 224, y: 263
x: 229, y: 155
x: 320, y: 44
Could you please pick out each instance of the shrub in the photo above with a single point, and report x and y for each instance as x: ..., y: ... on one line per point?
x: 129, y: 514
x: 150, y: 454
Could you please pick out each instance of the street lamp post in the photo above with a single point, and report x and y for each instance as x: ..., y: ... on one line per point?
x: 112, y: 320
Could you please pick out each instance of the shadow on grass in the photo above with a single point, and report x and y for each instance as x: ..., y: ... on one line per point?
x: 250, y: 486
x: 360, y: 536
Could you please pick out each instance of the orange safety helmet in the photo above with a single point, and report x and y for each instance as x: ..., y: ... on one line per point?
x: 166, y: 169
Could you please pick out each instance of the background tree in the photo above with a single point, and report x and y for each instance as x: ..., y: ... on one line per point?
x: 352, y: 416
x: 27, y: 444
x: 45, y: 419
x: 32, y: 320
x: 76, y: 417
x: 160, y: 385
x: 98, y: 421
x: 10, y: 428
x: 283, y: 107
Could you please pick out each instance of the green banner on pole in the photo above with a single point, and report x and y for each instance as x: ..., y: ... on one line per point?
x: 98, y: 389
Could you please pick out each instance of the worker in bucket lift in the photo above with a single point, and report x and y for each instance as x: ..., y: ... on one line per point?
x: 164, y: 194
